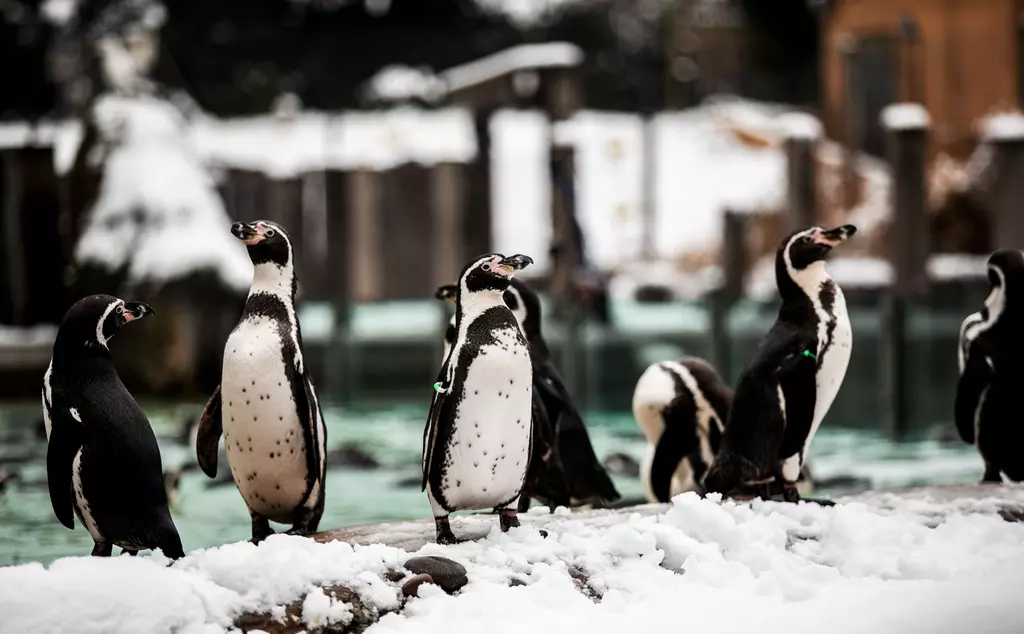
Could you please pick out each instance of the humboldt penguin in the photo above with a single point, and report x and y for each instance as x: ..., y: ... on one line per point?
x: 786, y: 389
x: 266, y: 405
x: 102, y: 460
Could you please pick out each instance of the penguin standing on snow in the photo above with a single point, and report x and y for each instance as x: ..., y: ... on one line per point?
x: 102, y: 459
x: 476, y: 445
x: 987, y: 393
x: 266, y: 406
x: 681, y: 407
x: 788, y: 386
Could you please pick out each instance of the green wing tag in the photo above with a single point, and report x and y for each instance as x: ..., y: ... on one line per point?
x: 808, y: 353
x: 438, y: 388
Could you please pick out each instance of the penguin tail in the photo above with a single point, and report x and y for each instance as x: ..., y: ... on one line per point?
x: 723, y: 475
x: 168, y: 541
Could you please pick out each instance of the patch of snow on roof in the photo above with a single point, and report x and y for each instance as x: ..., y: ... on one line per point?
x: 704, y: 168
x: 521, y: 186
x: 1006, y: 126
x: 375, y: 140
x: 800, y: 125
x: 905, y: 116
x: 940, y: 565
x: 158, y: 212
x: 510, y: 60
x: 27, y: 336
x: 525, y: 13
x: 398, y: 83
x: 63, y: 136
x: 957, y: 266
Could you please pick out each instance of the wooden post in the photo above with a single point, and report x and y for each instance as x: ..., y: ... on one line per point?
x: 339, y: 369
x: 907, y: 126
x: 852, y: 106
x: 802, y: 134
x: 562, y: 94
x: 12, y: 281
x: 1006, y: 135
x: 447, y: 193
x: 733, y: 260
x: 365, y: 262
x: 649, y: 191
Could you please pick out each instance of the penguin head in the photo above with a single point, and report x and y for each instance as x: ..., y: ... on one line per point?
x: 1005, y: 270
x: 266, y: 242
x: 525, y: 305
x: 447, y: 293
x: 491, y: 273
x: 93, y: 320
x: 801, y: 255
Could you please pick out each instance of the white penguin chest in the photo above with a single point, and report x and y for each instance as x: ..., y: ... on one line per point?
x: 263, y: 434
x: 80, y: 501
x: 490, y: 437
x: 834, y: 352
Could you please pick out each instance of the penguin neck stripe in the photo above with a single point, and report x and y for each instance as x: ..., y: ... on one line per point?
x: 279, y: 281
x: 103, y: 318
x: 985, y: 319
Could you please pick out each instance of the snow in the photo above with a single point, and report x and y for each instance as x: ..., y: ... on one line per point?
x: 919, y: 563
x: 905, y: 116
x: 27, y: 336
x: 525, y: 13
x: 158, y: 213
x: 800, y: 125
x: 957, y: 266
x: 1007, y: 126
x: 511, y: 60
x: 311, y: 141
x: 397, y: 83
x: 59, y: 12
x: 521, y: 186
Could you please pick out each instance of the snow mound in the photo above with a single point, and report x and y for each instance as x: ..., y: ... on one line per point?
x: 1007, y: 126
x: 909, y: 565
x: 905, y: 116
x: 158, y: 214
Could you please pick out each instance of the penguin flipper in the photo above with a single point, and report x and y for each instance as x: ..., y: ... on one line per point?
x: 430, y: 431
x: 208, y: 435
x: 796, y: 377
x: 317, y: 430
x: 66, y: 439
x: 675, y: 443
x: 975, y: 379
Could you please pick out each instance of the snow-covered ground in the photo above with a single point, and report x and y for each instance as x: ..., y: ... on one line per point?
x: 919, y: 563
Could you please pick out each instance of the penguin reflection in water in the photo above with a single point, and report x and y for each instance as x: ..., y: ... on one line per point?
x: 266, y: 406
x: 788, y: 386
x: 102, y: 459
x: 477, y: 442
x: 988, y: 391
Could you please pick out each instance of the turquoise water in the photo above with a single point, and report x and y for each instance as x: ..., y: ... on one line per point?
x: 209, y: 516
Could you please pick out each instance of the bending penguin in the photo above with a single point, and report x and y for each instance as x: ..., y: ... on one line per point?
x: 476, y: 444
x: 545, y: 479
x: 102, y: 458
x: 681, y: 407
x: 987, y: 393
x: 788, y: 386
x: 266, y: 405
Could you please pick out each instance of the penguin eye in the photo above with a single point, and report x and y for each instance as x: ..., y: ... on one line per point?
x: 486, y: 267
x: 805, y: 239
x: 120, y: 309
x: 270, y: 233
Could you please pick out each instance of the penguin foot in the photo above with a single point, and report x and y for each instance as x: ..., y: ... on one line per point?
x: 102, y: 549
x: 507, y: 519
x: 306, y: 522
x: 443, y: 529
x: 790, y: 492
x: 260, y: 528
x: 129, y: 552
x: 991, y: 475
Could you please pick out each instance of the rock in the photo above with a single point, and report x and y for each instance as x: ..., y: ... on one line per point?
x: 363, y: 616
x: 582, y: 582
x: 447, y: 574
x: 515, y: 581
x: 352, y: 457
x: 394, y: 576
x: 622, y: 465
x: 411, y: 587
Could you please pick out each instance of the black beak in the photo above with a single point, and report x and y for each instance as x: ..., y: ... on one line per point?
x: 837, y: 236
x: 446, y: 292
x: 136, y: 310
x: 243, y: 231
x: 515, y: 263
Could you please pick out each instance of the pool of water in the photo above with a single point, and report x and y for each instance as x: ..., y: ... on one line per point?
x: 212, y: 515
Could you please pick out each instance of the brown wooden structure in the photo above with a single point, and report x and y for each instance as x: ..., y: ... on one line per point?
x: 961, y: 59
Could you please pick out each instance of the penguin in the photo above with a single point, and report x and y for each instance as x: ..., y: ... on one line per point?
x: 546, y: 481
x: 477, y: 440
x: 102, y: 458
x: 789, y: 384
x: 990, y: 347
x: 266, y: 405
x: 681, y: 408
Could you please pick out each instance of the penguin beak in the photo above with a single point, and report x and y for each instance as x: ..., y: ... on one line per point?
x: 136, y: 310
x: 447, y: 292
x: 834, y: 237
x: 513, y: 264
x: 246, y: 232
